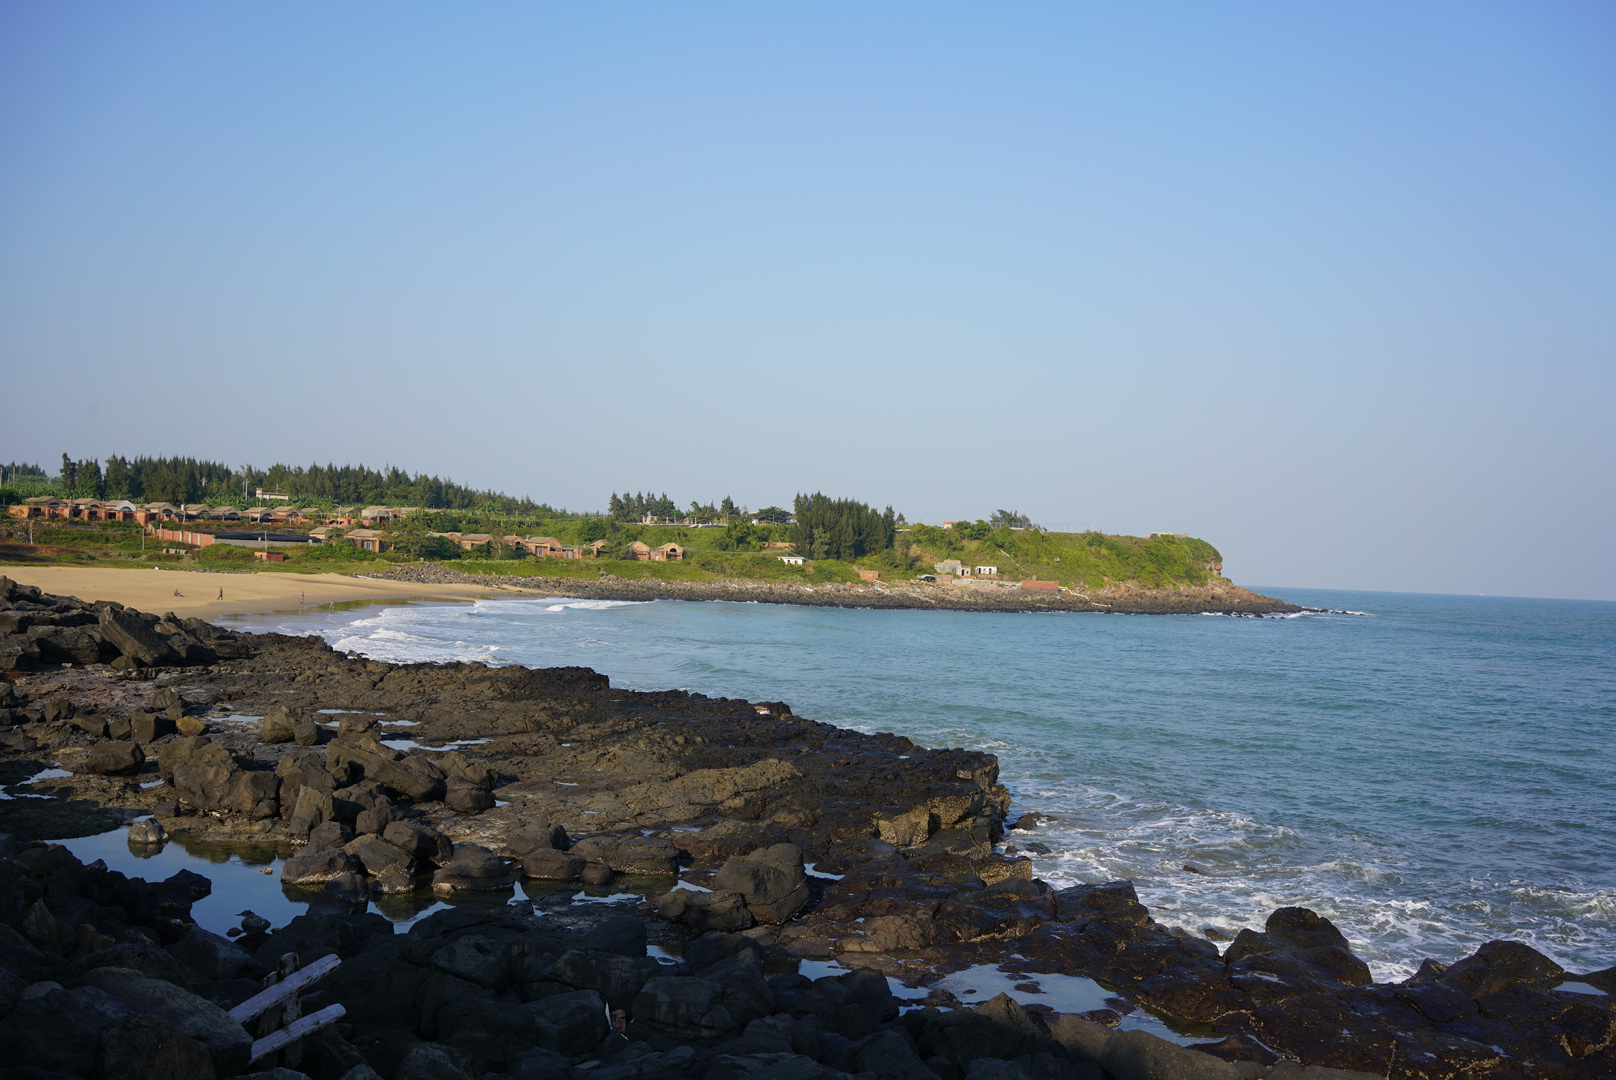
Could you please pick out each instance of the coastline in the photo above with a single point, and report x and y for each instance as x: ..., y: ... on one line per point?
x: 1122, y: 599
x: 748, y: 834
x: 149, y: 589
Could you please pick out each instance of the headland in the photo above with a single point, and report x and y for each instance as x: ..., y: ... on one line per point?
x: 1127, y: 598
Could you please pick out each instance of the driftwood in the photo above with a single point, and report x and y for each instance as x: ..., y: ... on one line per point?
x: 294, y: 1031
x: 281, y: 1023
x: 284, y: 988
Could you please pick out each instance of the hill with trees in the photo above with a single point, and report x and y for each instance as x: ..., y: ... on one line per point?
x: 181, y: 480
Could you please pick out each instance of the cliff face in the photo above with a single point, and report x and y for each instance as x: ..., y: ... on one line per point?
x: 1126, y: 598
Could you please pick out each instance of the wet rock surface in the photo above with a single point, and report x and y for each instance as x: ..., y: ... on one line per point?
x: 702, y: 814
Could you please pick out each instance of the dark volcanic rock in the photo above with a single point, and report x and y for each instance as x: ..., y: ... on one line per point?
x: 110, y: 758
x: 284, y: 725
x: 473, y: 869
x: 772, y: 881
x: 134, y: 637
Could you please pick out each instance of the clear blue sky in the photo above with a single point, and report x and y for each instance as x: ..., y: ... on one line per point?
x: 1333, y: 286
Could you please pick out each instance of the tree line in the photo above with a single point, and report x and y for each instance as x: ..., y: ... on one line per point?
x: 827, y: 528
x: 634, y: 506
x: 189, y: 480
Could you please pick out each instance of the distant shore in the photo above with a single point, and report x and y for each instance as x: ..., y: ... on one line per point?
x: 1222, y: 598
x: 205, y: 595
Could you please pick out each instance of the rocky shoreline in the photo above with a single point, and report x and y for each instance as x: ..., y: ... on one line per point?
x: 1126, y: 598
x: 741, y: 839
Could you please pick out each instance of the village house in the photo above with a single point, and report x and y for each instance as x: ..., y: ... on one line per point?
x: 790, y: 560
x: 369, y: 539
x: 987, y: 571
x: 541, y: 547
x: 952, y: 566
x: 869, y: 575
x: 644, y: 552
x: 472, y: 541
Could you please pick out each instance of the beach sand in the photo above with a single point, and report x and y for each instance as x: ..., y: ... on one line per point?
x: 151, y: 589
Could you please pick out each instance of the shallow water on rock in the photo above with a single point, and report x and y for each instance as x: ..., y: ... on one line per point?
x: 240, y: 883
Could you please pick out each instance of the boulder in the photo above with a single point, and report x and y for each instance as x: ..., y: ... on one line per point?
x: 1139, y: 1055
x: 394, y: 880
x: 703, y: 911
x: 474, y: 868
x: 683, y: 1007
x: 112, y: 758
x: 547, y: 864
x: 132, y: 636
x: 317, y: 867
x: 1498, y: 965
x: 303, y: 768
x: 465, y: 797
x: 890, y: 1055
x: 226, y: 1041
x: 91, y: 722
x: 432, y: 1061
x: 356, y: 725
x: 19, y: 653
x: 409, y: 777
x: 454, y: 763
x: 483, y: 959
x: 570, y: 1024
x: 622, y: 935
x: 616, y: 978
x: 145, y: 1048
x: 906, y: 829
x: 311, y: 808
x: 207, y: 776
x: 420, y: 841
x: 59, y: 1030
x: 285, y: 725
x: 213, y: 957
x: 66, y: 644
x: 148, y: 727
x: 538, y: 836
x: 771, y: 879
x: 376, y: 854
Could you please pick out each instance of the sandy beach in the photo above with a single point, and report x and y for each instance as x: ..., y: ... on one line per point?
x: 197, y: 593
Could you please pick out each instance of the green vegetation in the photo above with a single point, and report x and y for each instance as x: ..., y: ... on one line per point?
x: 639, y: 506
x: 1077, y: 560
x: 838, y: 537
x: 840, y: 528
x: 181, y: 480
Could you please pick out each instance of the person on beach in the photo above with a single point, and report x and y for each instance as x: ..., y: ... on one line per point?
x: 221, y: 592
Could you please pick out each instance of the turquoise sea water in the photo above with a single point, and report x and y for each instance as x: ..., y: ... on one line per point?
x: 1431, y: 774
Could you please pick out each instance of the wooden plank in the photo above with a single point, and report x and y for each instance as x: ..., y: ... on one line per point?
x: 308, y: 1025
x: 284, y: 989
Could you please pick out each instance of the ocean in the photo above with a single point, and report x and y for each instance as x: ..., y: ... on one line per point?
x: 1430, y: 772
